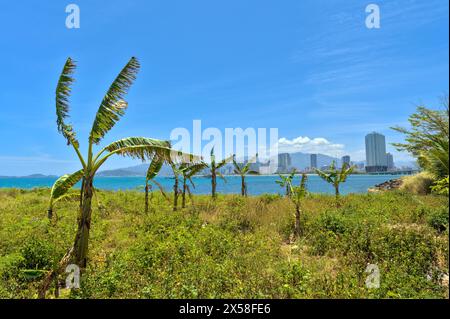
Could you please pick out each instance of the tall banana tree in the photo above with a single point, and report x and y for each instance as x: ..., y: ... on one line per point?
x: 214, y: 171
x: 188, y: 170
x: 153, y: 170
x: 286, y: 181
x: 335, y: 176
x: 176, y: 189
x: 297, y: 195
x: 243, y: 170
x: 109, y: 112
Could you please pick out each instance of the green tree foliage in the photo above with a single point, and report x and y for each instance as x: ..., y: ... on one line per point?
x: 428, y: 139
x: 441, y: 187
x: 335, y: 176
x: 185, y: 171
x: 243, y: 170
x: 153, y: 170
x: 189, y: 170
x: 298, y: 193
x: 286, y: 181
x: 214, y: 168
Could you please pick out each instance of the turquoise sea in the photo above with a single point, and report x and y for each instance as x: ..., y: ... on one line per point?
x: 256, y: 184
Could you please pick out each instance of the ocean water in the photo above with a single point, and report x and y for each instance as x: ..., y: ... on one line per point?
x: 256, y: 184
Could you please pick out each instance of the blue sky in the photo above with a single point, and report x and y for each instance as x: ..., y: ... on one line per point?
x: 309, y: 68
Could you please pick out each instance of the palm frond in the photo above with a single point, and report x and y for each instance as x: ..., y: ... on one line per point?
x: 63, y: 90
x: 63, y: 184
x: 191, y: 181
x: 237, y: 167
x: 177, y: 171
x: 345, y: 171
x: 67, y: 196
x: 212, y: 158
x: 141, y: 148
x: 194, y: 169
x: 113, y: 105
x: 324, y: 175
x: 221, y: 176
x: 154, y: 168
x: 161, y: 189
x: 303, y: 183
x: 224, y: 161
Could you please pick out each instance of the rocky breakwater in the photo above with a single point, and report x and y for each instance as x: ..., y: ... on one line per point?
x: 386, y: 186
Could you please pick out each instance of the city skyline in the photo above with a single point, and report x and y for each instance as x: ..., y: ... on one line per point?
x: 285, y: 161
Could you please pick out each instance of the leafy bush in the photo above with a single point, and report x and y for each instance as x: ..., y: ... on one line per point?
x: 269, y: 198
x: 333, y: 222
x: 37, y: 255
x: 441, y: 187
x: 439, y: 220
x: 419, y: 184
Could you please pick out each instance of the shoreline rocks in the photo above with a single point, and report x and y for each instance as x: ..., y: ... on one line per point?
x: 386, y: 186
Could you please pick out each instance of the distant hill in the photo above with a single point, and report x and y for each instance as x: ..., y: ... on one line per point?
x: 31, y: 176
x: 134, y: 171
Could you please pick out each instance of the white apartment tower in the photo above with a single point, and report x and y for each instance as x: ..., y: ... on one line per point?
x: 376, y: 160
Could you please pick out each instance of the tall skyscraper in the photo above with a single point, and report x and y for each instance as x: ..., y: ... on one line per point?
x: 313, y: 161
x: 346, y: 160
x: 284, y: 162
x: 390, y: 161
x: 376, y: 160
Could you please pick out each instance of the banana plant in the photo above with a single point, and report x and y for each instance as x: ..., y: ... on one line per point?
x: 153, y: 170
x: 286, y: 181
x: 188, y: 170
x: 335, y: 176
x: 297, y: 195
x: 214, y: 171
x: 176, y: 189
x: 60, y: 190
x: 111, y: 109
x: 243, y: 170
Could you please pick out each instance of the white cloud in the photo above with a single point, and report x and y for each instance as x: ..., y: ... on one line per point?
x: 307, y: 145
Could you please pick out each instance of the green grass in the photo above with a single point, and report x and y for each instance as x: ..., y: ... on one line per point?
x: 232, y: 248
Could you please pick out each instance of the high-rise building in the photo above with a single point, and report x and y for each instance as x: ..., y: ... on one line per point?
x: 390, y: 161
x: 346, y: 160
x: 256, y: 165
x: 376, y: 160
x: 284, y: 162
x: 313, y: 161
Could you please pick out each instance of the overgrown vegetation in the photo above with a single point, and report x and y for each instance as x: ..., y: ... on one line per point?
x: 419, y: 184
x: 230, y: 247
x: 427, y: 139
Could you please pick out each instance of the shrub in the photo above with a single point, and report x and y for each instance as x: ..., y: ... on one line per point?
x: 419, y: 184
x: 269, y: 198
x: 333, y: 222
x: 37, y: 255
x: 439, y: 220
x: 441, y: 187
x: 296, y: 280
